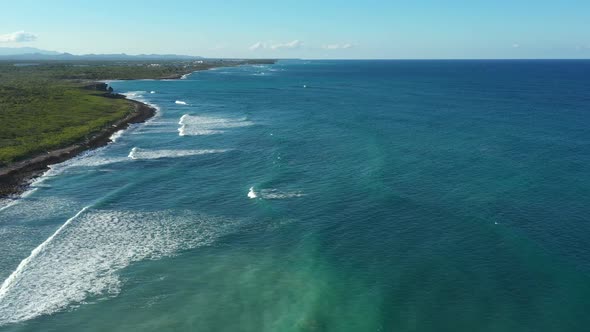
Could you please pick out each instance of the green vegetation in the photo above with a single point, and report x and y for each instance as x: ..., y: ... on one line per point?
x: 36, y: 117
x: 43, y: 106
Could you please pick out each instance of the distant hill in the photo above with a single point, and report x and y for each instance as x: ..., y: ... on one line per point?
x: 31, y: 53
x: 6, y: 51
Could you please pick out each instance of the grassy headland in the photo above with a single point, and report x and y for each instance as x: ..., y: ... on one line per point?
x: 46, y: 106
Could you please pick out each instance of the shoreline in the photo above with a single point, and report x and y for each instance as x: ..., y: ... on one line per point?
x: 16, y: 178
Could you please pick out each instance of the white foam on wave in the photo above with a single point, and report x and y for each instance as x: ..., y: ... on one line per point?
x: 193, y: 125
x: 278, y: 194
x: 116, y: 135
x: 273, y: 194
x: 137, y: 153
x: 134, y: 94
x: 180, y: 102
x: 152, y: 92
x: 7, y: 203
x: 88, y: 159
x: 185, y: 131
x: 182, y: 118
x: 139, y: 96
x: 81, y: 260
x: 251, y: 193
x: 92, y: 158
x: 50, y: 205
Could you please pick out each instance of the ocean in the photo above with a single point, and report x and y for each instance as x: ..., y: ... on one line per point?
x: 319, y: 196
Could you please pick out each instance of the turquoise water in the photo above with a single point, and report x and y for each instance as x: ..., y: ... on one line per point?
x: 319, y: 196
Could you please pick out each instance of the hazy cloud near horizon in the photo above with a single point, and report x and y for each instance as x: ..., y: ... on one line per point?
x: 17, y: 37
x: 276, y: 46
x: 337, y: 46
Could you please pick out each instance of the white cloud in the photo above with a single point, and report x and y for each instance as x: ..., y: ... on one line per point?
x: 290, y: 45
x: 337, y: 46
x: 257, y: 46
x: 17, y: 37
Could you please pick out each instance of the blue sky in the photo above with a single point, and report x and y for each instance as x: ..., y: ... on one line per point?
x: 305, y: 29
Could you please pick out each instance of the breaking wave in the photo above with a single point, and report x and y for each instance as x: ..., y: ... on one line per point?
x: 135, y: 95
x: 252, y: 193
x: 137, y: 153
x: 116, y: 135
x: 8, y: 202
x: 277, y: 194
x: 192, y: 125
x: 273, y: 194
x: 81, y: 260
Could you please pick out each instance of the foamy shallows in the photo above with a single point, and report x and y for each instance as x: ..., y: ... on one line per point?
x: 5, y: 203
x: 137, y: 153
x: 92, y: 158
x: 81, y: 260
x: 193, y: 125
x: 180, y: 102
x: 50, y: 206
x: 8, y: 202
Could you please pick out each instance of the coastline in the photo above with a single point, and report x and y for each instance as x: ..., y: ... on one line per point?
x: 16, y: 178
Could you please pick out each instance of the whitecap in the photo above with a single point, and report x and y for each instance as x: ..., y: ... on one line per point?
x: 133, y: 94
x: 91, y: 158
x: 180, y: 102
x: 252, y: 193
x: 193, y: 125
x: 137, y: 153
x: 8, y: 202
x: 277, y: 194
x: 185, y: 131
x: 116, y: 135
x: 50, y: 206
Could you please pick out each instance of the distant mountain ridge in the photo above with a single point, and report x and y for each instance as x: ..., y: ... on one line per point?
x: 8, y: 51
x: 31, y: 53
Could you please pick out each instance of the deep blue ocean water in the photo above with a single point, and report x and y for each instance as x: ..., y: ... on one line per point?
x: 319, y: 196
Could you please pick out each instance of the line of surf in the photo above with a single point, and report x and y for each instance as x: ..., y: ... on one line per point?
x: 56, y: 169
x: 9, y: 282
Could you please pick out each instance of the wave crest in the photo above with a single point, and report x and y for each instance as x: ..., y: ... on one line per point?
x: 137, y: 153
x: 193, y: 125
